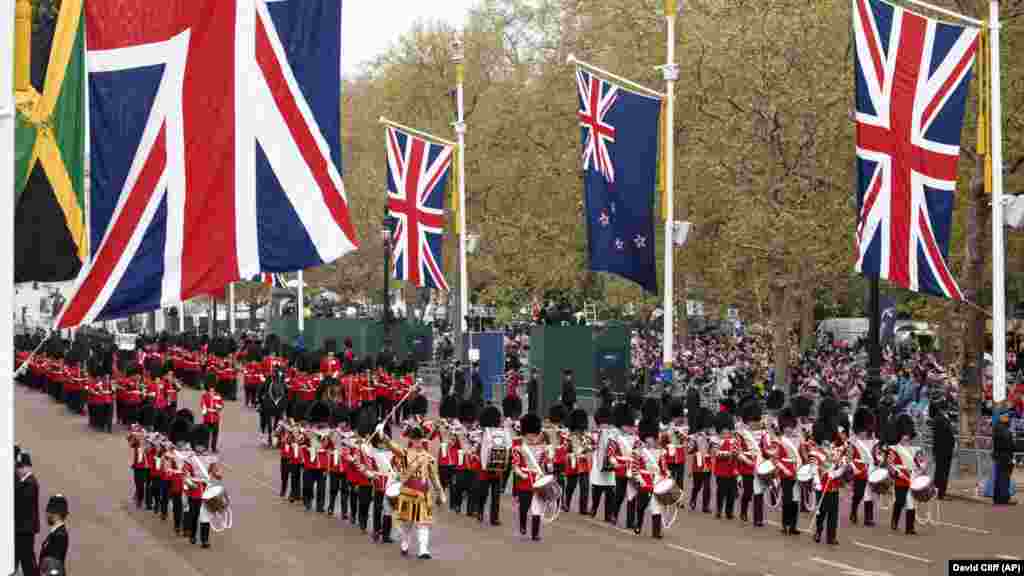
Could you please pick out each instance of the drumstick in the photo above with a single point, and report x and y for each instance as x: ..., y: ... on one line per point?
x: 393, y: 410
x: 24, y: 365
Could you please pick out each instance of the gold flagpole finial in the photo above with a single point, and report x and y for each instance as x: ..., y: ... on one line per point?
x: 23, y: 43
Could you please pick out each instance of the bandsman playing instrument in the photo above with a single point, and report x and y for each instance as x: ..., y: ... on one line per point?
x: 786, y: 456
x: 602, y: 472
x: 829, y: 459
x: 726, y: 461
x: 674, y: 440
x: 362, y: 456
x: 620, y: 454
x: 299, y: 440
x: 530, y: 463
x: 861, y: 453
x: 448, y: 443
x: 418, y: 474
x: 750, y: 433
x: 905, y: 462
x: 174, y: 467
x: 464, y: 476
x: 557, y: 436
x: 578, y: 460
x: 379, y: 464
x: 512, y: 409
x: 342, y: 436
x: 283, y: 434
x: 701, y: 463
x: 649, y: 466
x: 494, y: 456
x: 201, y: 471
x: 316, y: 456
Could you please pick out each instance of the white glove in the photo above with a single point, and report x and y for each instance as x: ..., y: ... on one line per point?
x: 380, y: 428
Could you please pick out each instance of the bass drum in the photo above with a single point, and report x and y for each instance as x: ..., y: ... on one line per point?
x: 392, y: 492
x: 550, y: 494
x: 667, y: 492
x: 805, y: 475
x: 766, y: 471
x: 216, y: 508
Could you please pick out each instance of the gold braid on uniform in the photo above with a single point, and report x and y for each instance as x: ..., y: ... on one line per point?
x: 418, y: 473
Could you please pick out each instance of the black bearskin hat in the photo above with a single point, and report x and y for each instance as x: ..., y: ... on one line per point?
x: 787, y: 419
x: 824, y: 430
x: 556, y: 414
x: 512, y: 406
x: 449, y: 407
x: 330, y: 345
x: 297, y: 410
x: 490, y: 417
x: 903, y: 425
x: 603, y: 415
x: 160, y: 422
x: 180, y: 429
x: 724, y: 421
x: 419, y: 406
x: 692, y: 400
x: 651, y: 409
x: 578, y: 420
x: 775, y: 400
x: 154, y: 367
x: 468, y: 411
x: 648, y: 429
x: 801, y: 406
x: 185, y: 414
x: 318, y: 413
x: 750, y: 410
x: 339, y: 415
x: 828, y: 409
x: 623, y: 416
x: 199, y: 436
x: 273, y: 345
x: 863, y: 420
x: 211, y: 380
x: 677, y: 409
x: 530, y: 424
x: 367, y: 422
x: 147, y: 416
x: 635, y: 399
x: 58, y: 505
x: 695, y: 418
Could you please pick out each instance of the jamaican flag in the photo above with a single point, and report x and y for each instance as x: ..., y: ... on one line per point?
x: 50, y: 239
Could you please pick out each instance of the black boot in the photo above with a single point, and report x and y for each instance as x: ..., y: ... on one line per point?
x: 911, y: 521
x: 656, y: 526
x: 759, y: 510
x: 895, y: 524
x: 387, y: 530
x: 638, y: 524
x: 535, y: 528
x: 853, y: 516
x: 869, y: 513
x: 204, y: 534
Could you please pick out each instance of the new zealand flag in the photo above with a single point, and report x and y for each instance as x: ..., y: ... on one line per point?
x: 620, y: 164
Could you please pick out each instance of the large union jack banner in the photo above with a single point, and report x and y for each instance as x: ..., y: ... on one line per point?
x: 912, y: 78
x: 417, y: 172
x: 215, y: 146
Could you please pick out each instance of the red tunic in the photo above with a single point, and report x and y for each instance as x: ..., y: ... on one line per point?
x: 211, y: 405
x: 725, y: 462
x: 645, y: 472
x: 526, y: 473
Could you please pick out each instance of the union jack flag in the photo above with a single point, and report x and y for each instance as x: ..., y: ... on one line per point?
x: 912, y: 78
x: 596, y: 98
x: 215, y: 143
x: 417, y: 173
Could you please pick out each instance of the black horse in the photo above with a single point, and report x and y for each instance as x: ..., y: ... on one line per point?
x: 273, y: 402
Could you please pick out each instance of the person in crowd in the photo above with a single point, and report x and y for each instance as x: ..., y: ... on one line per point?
x: 1002, y: 456
x: 56, y: 543
x: 943, y: 442
x: 26, y: 514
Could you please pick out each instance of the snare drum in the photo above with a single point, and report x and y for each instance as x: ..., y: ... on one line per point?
x: 546, y: 488
x: 805, y: 475
x: 766, y: 471
x: 922, y: 489
x: 392, y: 492
x: 879, y: 481
x: 667, y: 492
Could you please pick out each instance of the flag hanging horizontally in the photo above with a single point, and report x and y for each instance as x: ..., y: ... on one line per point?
x: 417, y: 172
x: 215, y: 143
x: 50, y: 240
x: 620, y: 164
x: 912, y: 80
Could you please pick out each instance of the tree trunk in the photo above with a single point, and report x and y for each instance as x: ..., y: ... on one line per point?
x: 683, y: 337
x: 806, y: 320
x: 974, y: 339
x: 780, y: 316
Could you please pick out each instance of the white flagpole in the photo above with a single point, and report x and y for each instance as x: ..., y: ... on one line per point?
x: 998, y: 247
x: 671, y: 73
x: 231, y: 307
x: 301, y: 308
x: 460, y: 131
x: 7, y: 120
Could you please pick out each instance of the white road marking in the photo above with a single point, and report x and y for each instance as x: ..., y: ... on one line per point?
x: 849, y: 570
x: 960, y: 527
x: 607, y: 525
x: 703, y: 555
x: 893, y: 552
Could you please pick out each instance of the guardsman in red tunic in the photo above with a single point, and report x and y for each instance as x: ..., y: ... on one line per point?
x: 489, y: 483
x: 316, y: 457
x: 284, y: 446
x: 329, y: 364
x: 171, y: 388
x: 620, y: 454
x: 529, y: 463
x: 362, y: 462
x: 649, y: 467
x: 464, y: 476
x: 785, y: 453
x: 174, y: 467
x: 726, y: 465
x: 336, y: 462
x: 749, y: 434
x: 211, y: 405
x: 828, y: 468
x: 700, y: 419
x: 447, y: 444
x: 140, y: 469
x: 861, y: 451
x: 907, y: 462
x: 579, y: 449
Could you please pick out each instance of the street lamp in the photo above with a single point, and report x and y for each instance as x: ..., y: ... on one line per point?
x: 385, y: 236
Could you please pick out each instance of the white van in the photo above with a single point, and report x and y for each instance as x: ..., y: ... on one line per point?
x: 847, y: 330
